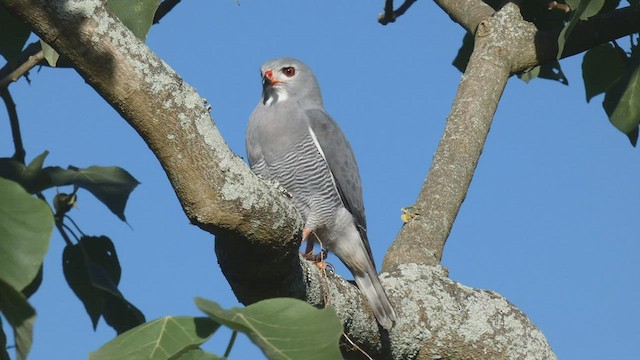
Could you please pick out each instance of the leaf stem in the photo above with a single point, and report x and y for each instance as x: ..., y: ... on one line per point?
x: 232, y: 340
x: 74, y: 224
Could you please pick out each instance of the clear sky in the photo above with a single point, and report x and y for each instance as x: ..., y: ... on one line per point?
x: 548, y: 221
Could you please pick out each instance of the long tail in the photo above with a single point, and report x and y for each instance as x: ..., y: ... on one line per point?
x: 370, y: 286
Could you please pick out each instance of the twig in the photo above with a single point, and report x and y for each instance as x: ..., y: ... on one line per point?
x: 74, y: 224
x: 19, y: 153
x: 163, y: 9
x: 391, y: 15
x: 355, y: 346
x: 70, y: 230
x: 31, y: 56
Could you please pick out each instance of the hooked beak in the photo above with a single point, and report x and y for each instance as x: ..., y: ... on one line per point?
x: 268, y: 82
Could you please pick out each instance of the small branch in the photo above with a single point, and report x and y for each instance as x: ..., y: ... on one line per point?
x: 389, y: 15
x: 467, y: 13
x: 422, y: 240
x: 19, y: 153
x: 31, y: 56
x: 163, y: 9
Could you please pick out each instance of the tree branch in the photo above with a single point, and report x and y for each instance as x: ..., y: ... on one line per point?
x: 19, y: 153
x: 389, y: 15
x: 467, y: 13
x: 255, y: 225
x: 31, y: 56
x: 422, y: 240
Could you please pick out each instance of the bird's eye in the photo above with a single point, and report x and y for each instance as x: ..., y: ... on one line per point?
x: 289, y: 71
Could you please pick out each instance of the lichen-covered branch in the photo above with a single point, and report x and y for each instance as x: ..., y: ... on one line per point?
x: 422, y: 240
x: 513, y: 47
x: 255, y: 225
x: 215, y: 188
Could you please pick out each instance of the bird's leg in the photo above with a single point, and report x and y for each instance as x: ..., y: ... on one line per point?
x: 308, y: 254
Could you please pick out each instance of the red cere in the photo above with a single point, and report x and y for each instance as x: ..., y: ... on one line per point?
x: 268, y: 74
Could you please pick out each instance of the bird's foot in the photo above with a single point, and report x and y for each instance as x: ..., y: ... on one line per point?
x: 318, y: 259
x: 308, y: 254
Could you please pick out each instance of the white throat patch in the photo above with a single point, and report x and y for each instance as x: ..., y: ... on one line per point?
x: 279, y: 96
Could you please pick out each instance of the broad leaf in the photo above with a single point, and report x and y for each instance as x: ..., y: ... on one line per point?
x: 137, y: 15
x: 582, y: 10
x: 622, y: 102
x: 92, y: 270
x: 550, y: 71
x: 26, y: 224
x: 13, y: 35
x: 283, y: 328
x: 164, y: 338
x: 120, y: 314
x: 34, y: 285
x: 31, y: 177
x: 601, y: 68
x: 199, y: 354
x: 50, y: 54
x: 16, y: 309
x: 77, y: 276
x: 112, y: 185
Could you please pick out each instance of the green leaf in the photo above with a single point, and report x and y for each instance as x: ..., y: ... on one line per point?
x: 137, y: 15
x: 34, y: 285
x: 112, y: 185
x: 601, y: 68
x: 16, y: 309
x: 50, y: 54
x: 198, y: 354
x: 550, y: 71
x: 32, y: 177
x: 622, y: 102
x: 92, y: 270
x: 283, y: 328
x: 164, y: 338
x: 582, y: 10
x: 77, y: 273
x: 26, y: 224
x: 13, y: 35
x: 530, y: 75
x: 120, y: 314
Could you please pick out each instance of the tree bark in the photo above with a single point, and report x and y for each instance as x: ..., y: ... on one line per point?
x: 256, y: 227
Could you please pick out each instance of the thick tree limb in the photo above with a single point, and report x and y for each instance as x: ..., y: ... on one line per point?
x: 255, y: 225
x: 444, y: 190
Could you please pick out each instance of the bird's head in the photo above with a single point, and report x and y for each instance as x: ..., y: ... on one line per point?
x: 286, y: 79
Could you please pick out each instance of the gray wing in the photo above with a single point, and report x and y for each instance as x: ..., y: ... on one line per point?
x: 254, y: 150
x: 342, y: 164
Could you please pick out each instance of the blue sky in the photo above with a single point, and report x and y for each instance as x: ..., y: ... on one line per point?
x: 548, y: 221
